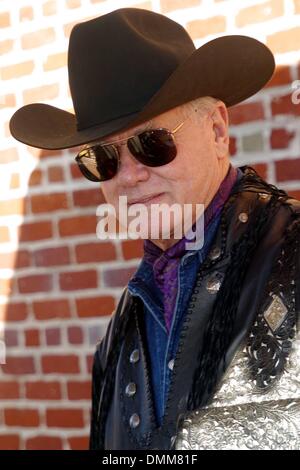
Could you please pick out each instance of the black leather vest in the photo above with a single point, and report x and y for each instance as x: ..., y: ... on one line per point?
x: 130, y: 421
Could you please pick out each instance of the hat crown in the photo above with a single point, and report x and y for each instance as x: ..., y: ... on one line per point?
x: 118, y: 61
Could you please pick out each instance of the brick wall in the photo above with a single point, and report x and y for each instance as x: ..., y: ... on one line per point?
x: 58, y: 283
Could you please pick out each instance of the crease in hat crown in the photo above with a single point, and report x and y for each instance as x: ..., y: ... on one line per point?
x: 130, y: 65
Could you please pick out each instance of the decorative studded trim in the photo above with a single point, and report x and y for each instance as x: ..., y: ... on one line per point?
x: 270, y: 340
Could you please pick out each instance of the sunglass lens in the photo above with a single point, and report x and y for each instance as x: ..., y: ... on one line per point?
x: 153, y: 148
x: 100, y: 162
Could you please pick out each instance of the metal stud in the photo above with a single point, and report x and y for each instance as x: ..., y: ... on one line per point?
x: 243, y: 217
x: 134, y: 356
x: 276, y: 312
x: 215, y: 253
x: 171, y: 364
x: 130, y: 389
x: 264, y: 195
x: 134, y: 420
x: 214, y: 283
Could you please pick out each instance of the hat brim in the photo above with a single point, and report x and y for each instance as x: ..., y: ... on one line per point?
x: 229, y: 68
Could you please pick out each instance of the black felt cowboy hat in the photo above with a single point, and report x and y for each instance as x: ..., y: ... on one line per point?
x: 130, y: 65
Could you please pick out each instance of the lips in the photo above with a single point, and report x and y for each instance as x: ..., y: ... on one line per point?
x: 145, y: 199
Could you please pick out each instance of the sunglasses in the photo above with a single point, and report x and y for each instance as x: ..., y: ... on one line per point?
x: 153, y: 147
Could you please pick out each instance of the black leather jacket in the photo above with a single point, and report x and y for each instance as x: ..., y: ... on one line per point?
x: 129, y: 420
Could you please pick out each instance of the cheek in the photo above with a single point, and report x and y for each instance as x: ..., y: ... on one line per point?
x: 108, y: 191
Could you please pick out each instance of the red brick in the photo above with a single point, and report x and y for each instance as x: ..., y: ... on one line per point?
x: 17, y: 70
x: 60, y: 364
x: 79, y: 443
x: 4, y: 235
x: 48, y: 309
x: 295, y: 194
x: 18, y: 365
x: 203, y: 28
x: 32, y: 337
x: 284, y: 41
x: 53, y: 336
x: 55, y: 174
x: 6, y: 46
x: 89, y: 363
x: 26, y: 13
x: 284, y: 105
x: 11, y: 338
x: 37, y: 38
x: 232, y: 146
x: 4, y: 20
x: 75, y: 335
x: 35, y: 178
x: 88, y: 197
x: 95, y: 252
x: 6, y: 286
x: 280, y: 138
x: 49, y: 8
x: 40, y: 390
x: 78, y: 390
x: 13, y: 260
x: 77, y: 225
x: 8, y: 101
x: 21, y: 418
x: 35, y: 283
x: 52, y: 256
x: 35, y: 231
x: 73, y: 3
x: 288, y: 170
x: 94, y: 306
x: 75, y: 172
x: 13, y: 311
x: 118, y: 277
x: 282, y: 76
x: 15, y: 181
x: 246, y: 113
x: 132, y: 249
x: 78, y: 280
x: 49, y: 202
x: 12, y: 207
x: 9, y: 155
x: 43, y: 153
x: 59, y: 418
x: 9, y: 442
x: 9, y: 390
x: 55, y: 61
x: 44, y: 443
x: 259, y: 13
x: 42, y: 93
x: 261, y: 169
x: 170, y: 5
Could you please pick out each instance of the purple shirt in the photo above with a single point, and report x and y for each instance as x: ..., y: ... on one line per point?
x: 166, y: 263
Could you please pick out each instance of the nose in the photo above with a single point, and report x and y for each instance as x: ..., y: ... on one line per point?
x: 131, y: 171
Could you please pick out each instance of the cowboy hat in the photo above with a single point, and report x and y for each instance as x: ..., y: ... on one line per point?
x: 130, y: 65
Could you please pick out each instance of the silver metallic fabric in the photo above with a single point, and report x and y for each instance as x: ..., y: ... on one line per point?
x: 242, y: 416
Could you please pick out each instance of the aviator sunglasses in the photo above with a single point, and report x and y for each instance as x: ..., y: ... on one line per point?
x: 153, y: 147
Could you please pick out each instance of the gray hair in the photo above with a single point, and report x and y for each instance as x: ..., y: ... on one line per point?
x: 204, y: 104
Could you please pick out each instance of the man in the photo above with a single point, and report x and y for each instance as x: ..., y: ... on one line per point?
x: 153, y: 112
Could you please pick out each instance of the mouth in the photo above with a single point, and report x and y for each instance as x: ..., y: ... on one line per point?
x: 152, y: 198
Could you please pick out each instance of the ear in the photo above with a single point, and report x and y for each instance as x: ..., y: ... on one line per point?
x: 220, y: 128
